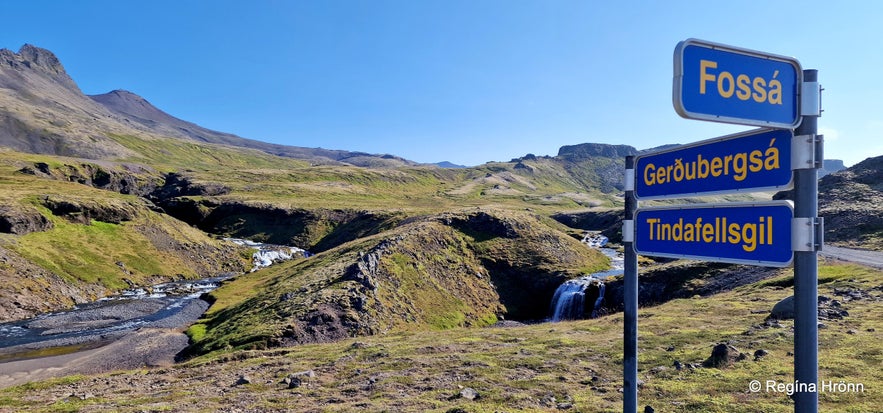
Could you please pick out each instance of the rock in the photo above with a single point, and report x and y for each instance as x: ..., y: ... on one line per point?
x: 82, y: 396
x: 243, y: 379
x: 678, y: 366
x: 670, y: 348
x: 722, y: 355
x: 565, y: 406
x: 760, y: 354
x: 306, y: 373
x: 851, y: 331
x: 783, y: 310
x: 871, y: 330
x: 828, y: 309
x: 549, y: 400
x: 648, y: 409
x: 469, y: 393
x: 296, y: 380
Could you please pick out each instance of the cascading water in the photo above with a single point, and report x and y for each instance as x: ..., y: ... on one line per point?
x: 569, y: 301
x: 266, y: 255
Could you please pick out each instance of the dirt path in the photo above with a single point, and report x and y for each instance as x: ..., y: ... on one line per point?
x: 869, y: 258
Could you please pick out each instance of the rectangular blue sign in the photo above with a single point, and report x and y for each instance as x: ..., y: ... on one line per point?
x: 758, y: 160
x: 740, y: 233
x: 722, y: 83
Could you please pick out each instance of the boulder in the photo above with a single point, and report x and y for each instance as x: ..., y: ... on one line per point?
x: 783, y: 310
x: 723, y: 355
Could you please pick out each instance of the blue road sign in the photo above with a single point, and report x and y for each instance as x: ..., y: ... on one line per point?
x: 741, y: 233
x: 728, y: 84
x: 758, y: 160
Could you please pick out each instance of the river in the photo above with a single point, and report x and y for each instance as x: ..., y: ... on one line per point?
x: 170, y: 305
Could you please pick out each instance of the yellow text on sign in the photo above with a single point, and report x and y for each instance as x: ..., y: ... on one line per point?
x: 742, y: 86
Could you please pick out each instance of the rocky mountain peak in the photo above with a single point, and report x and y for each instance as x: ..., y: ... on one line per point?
x: 588, y: 150
x: 35, y: 59
x: 40, y: 57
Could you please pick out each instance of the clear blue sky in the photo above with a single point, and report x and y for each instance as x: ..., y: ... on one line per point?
x: 464, y: 81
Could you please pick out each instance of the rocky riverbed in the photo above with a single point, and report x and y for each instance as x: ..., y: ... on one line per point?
x: 107, y: 335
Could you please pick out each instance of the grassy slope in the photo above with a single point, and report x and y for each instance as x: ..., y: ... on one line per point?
x: 143, y: 249
x: 254, y: 176
x: 519, y: 369
x: 428, y: 275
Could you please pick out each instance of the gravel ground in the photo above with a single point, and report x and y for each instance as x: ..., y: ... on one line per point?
x: 153, y: 344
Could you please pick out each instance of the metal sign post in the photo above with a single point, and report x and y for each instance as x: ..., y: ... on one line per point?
x: 630, y: 285
x: 806, y: 264
x: 720, y: 83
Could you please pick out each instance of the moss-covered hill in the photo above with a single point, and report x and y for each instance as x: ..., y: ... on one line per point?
x: 467, y: 268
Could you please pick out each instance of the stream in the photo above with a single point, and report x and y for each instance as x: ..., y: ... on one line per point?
x: 168, y: 305
x: 569, y: 301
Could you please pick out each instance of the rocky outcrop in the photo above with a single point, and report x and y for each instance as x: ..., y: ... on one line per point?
x: 122, y: 178
x: 584, y: 151
x: 177, y: 184
x: 84, y: 211
x: 22, y: 220
x: 312, y: 229
x: 608, y: 221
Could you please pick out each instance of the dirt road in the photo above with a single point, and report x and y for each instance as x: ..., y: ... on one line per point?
x: 869, y: 258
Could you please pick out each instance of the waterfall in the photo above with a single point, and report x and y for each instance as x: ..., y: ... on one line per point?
x: 569, y: 300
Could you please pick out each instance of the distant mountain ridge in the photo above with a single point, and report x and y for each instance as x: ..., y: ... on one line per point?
x: 42, y: 110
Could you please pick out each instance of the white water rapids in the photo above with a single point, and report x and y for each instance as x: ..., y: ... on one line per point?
x: 269, y: 254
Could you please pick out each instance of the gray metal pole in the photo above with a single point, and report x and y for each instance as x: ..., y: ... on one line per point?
x: 630, y: 311
x: 806, y: 333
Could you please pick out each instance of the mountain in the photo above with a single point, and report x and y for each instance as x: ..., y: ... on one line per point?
x: 449, y: 165
x: 830, y: 166
x: 42, y: 110
x: 133, y: 108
